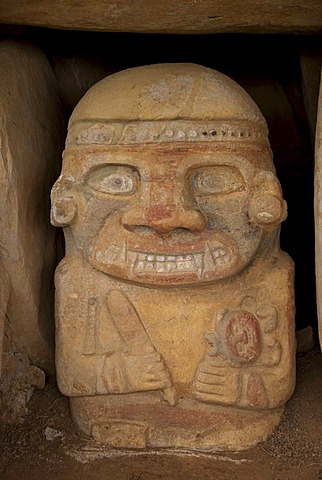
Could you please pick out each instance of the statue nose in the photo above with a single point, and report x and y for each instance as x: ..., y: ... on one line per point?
x: 163, y: 219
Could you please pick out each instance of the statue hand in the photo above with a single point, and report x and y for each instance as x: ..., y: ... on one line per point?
x: 217, y: 382
x: 145, y: 372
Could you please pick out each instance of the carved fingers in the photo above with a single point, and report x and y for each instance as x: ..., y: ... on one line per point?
x: 217, y: 382
x: 146, y: 372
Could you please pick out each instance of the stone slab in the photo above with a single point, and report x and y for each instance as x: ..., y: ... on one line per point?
x: 311, y: 63
x: 4, y: 297
x: 318, y: 212
x: 30, y: 133
x: 183, y: 16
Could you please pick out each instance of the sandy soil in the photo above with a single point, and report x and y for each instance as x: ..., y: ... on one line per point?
x: 46, y: 445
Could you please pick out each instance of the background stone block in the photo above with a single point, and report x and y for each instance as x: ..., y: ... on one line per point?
x: 30, y: 133
x: 182, y: 16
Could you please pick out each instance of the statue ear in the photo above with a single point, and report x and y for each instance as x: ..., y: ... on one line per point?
x: 267, y: 206
x: 63, y: 212
x: 64, y: 207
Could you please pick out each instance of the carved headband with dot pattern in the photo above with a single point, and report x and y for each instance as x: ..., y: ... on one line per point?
x: 160, y: 131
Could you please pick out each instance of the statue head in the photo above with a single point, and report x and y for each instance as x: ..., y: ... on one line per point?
x: 168, y: 177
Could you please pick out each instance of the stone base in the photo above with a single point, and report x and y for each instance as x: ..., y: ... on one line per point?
x: 145, y: 420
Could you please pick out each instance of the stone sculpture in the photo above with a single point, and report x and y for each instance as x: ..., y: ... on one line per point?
x: 174, y: 302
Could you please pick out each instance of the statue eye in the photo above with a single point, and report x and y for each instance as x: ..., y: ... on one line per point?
x: 114, y: 179
x: 218, y: 179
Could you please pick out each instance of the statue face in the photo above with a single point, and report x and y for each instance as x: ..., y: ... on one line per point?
x: 164, y: 214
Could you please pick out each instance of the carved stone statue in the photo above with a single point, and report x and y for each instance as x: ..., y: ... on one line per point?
x: 174, y: 302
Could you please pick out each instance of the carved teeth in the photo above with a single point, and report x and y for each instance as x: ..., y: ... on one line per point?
x: 215, y: 257
x: 140, y: 263
x: 132, y: 256
x: 219, y: 252
x: 208, y: 261
x: 221, y: 256
x: 123, y: 251
x: 113, y: 254
x: 168, y: 263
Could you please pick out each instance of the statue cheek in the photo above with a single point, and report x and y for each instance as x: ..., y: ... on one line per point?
x: 63, y: 212
x: 267, y: 209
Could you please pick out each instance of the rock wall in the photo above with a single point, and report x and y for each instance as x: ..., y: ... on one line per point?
x: 168, y: 16
x: 30, y: 149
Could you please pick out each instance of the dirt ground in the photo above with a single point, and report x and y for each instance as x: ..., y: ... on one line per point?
x: 46, y: 445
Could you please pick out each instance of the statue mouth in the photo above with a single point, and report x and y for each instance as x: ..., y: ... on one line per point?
x: 167, y: 264
x: 214, y: 256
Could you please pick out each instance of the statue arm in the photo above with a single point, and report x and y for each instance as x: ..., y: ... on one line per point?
x: 92, y: 356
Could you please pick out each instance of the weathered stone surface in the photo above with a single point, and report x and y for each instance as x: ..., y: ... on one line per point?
x: 4, y: 297
x: 18, y: 380
x: 174, y: 303
x: 30, y: 138
x: 311, y: 64
x: 182, y: 16
x: 318, y: 211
